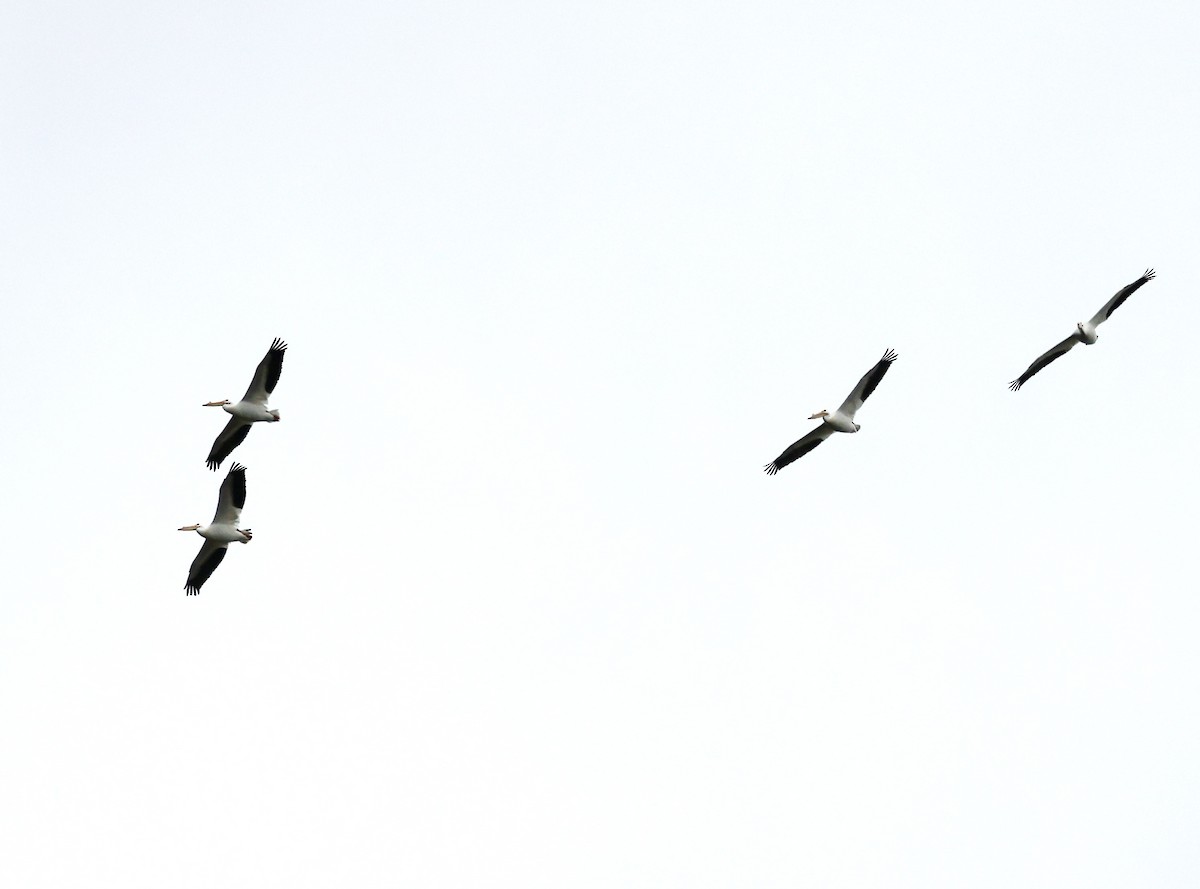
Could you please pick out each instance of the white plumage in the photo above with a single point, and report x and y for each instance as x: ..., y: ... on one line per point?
x: 222, y: 531
x: 1084, y: 332
x: 841, y: 420
x: 252, y: 408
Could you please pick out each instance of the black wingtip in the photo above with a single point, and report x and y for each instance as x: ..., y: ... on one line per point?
x: 1148, y: 274
x: 214, y: 465
x: 1015, y: 385
x: 889, y: 356
x: 770, y: 469
x: 236, y: 467
x: 278, y: 345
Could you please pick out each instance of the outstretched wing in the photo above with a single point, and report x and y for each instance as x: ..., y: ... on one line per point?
x: 266, y: 375
x: 204, y: 565
x: 1053, y: 355
x: 867, y: 385
x: 798, y: 449
x: 1119, y: 297
x: 232, y: 497
x: 231, y: 436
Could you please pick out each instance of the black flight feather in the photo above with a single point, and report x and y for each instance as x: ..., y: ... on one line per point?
x: 224, y: 446
x: 203, y: 571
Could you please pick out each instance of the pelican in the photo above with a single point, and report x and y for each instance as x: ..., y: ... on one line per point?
x: 1084, y: 333
x: 252, y: 408
x: 222, y: 532
x: 841, y: 420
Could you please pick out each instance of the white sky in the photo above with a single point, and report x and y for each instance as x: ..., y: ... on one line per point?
x: 522, y: 608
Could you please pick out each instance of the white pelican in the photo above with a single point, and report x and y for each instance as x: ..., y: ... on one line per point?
x: 252, y: 408
x: 1084, y: 333
x: 223, y: 530
x: 841, y: 420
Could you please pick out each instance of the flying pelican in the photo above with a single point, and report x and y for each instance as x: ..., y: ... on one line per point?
x: 1084, y: 333
x: 841, y: 420
x: 222, y: 532
x: 252, y: 408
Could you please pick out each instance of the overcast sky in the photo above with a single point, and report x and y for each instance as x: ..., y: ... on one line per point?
x: 522, y: 608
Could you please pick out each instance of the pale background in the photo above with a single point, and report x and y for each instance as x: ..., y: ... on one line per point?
x: 522, y: 608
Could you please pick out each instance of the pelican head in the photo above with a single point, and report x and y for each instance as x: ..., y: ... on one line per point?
x: 821, y: 414
x: 190, y: 528
x: 220, y: 403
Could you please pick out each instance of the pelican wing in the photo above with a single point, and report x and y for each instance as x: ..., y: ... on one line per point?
x: 867, y: 385
x: 1119, y: 297
x: 1053, y: 355
x: 231, y: 436
x: 266, y: 375
x: 798, y: 449
x: 204, y: 565
x: 232, y: 497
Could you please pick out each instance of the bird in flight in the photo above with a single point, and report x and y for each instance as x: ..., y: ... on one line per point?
x: 251, y: 409
x: 1084, y: 332
x: 841, y: 420
x: 223, y: 530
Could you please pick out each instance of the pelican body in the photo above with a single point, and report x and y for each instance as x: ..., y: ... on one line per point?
x: 222, y: 531
x: 841, y: 420
x: 251, y: 409
x: 837, y: 421
x: 1085, y: 331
